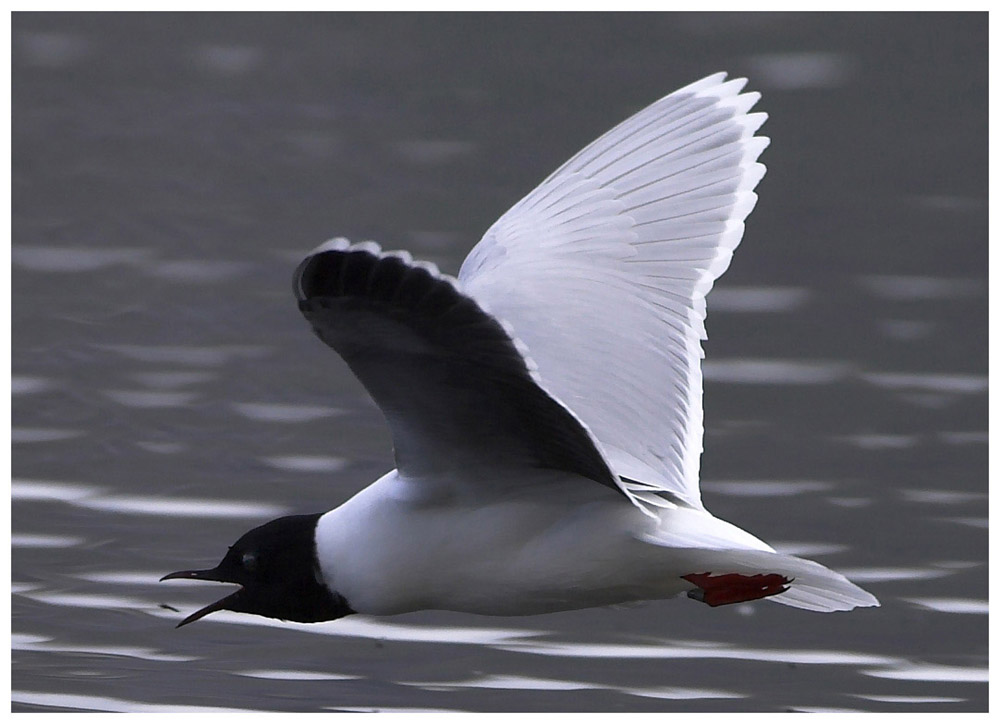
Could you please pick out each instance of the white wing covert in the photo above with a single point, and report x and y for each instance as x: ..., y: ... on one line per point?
x: 603, y: 270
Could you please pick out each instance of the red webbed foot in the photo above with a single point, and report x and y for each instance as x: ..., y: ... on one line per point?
x: 735, y: 587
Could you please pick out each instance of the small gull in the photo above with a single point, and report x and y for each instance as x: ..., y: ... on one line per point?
x: 545, y: 405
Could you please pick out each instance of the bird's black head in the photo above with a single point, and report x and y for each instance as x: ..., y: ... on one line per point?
x: 279, y: 574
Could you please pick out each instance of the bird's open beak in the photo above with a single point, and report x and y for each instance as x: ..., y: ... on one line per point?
x: 211, y: 574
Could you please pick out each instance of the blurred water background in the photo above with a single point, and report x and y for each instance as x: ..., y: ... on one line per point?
x: 169, y: 171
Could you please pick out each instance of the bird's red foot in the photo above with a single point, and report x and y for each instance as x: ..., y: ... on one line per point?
x: 735, y: 587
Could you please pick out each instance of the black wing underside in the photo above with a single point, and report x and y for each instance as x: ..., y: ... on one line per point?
x: 454, y: 386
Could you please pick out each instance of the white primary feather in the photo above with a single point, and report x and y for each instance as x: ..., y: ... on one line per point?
x: 603, y: 270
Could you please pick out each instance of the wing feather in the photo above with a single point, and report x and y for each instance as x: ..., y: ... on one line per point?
x: 603, y: 270
x: 457, y: 388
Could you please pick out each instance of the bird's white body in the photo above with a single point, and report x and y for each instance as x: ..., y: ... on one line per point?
x: 518, y: 552
x: 551, y: 542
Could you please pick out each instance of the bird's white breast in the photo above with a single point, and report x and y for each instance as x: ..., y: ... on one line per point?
x: 553, y: 543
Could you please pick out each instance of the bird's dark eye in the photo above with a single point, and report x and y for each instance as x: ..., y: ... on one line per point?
x: 249, y: 561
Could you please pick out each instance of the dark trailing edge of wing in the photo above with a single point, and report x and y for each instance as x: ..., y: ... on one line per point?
x: 408, y: 334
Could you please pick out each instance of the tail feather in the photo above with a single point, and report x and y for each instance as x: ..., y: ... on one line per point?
x: 702, y: 543
x: 813, y: 586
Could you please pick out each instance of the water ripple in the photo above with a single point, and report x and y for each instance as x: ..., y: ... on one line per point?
x: 766, y: 488
x: 893, y: 574
x: 61, y: 259
x: 41, y: 434
x: 181, y: 507
x: 530, y: 683
x: 758, y: 299
x: 187, y: 355
x: 268, y: 412
x: 360, y: 626
x: 307, y: 463
x: 878, y: 442
x: 196, y: 271
x: 953, y: 605
x: 29, y: 384
x: 889, y: 699
x: 293, y: 675
x: 227, y: 60
x: 30, y: 540
x: 29, y: 642
x: 930, y: 382
x: 796, y: 71
x: 911, y: 288
x: 931, y: 672
x: 50, y: 490
x: 95, y: 498
x: 698, y: 651
x: 141, y: 399
x: 942, y: 497
x: 171, y: 379
x: 773, y: 372
x: 106, y: 703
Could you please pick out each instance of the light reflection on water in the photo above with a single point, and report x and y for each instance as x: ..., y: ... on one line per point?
x: 392, y: 709
x: 35, y: 434
x: 911, y: 288
x: 96, y: 498
x: 30, y: 540
x: 971, y: 437
x: 893, y: 574
x: 953, y: 605
x: 879, y: 442
x: 27, y: 384
x: 765, y: 488
x: 306, y: 463
x: 700, y: 651
x: 123, y: 578
x: 190, y: 508
x: 773, y: 371
x: 808, y: 549
x: 377, y: 629
x: 171, y: 378
x: 194, y: 355
x: 972, y: 522
x: 271, y: 412
x: 57, y: 259
x: 890, y: 699
x: 290, y: 675
x: 140, y: 399
x: 27, y: 642
x: 87, y: 600
x: 931, y: 672
x: 196, y: 271
x: 943, y: 497
x: 50, y: 490
x: 796, y: 71
x: 953, y: 384
x: 758, y: 299
x: 529, y: 683
x: 106, y: 703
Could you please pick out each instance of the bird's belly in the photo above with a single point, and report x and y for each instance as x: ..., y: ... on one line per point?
x: 511, y: 557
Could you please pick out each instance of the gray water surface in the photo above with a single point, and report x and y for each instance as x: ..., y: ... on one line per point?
x: 169, y: 172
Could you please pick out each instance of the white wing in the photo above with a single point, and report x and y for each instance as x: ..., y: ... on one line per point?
x: 603, y: 270
x: 455, y: 387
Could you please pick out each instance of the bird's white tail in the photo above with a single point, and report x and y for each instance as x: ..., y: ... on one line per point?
x: 708, y: 545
